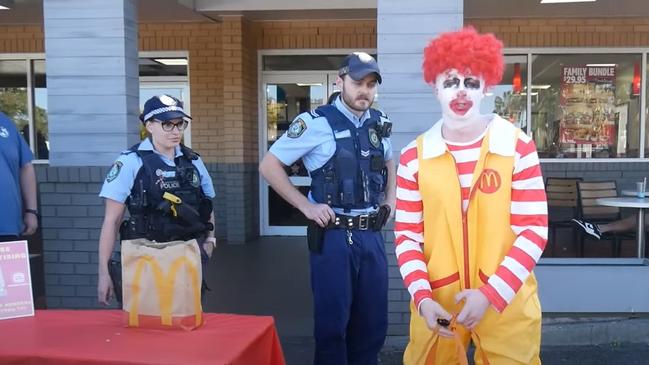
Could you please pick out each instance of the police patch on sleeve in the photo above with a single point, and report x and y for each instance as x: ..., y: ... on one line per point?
x: 296, y: 128
x: 114, y: 171
x: 374, y: 138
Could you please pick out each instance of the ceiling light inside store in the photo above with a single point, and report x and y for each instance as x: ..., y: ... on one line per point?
x: 566, y: 1
x: 542, y: 87
x: 6, y: 4
x: 601, y: 64
x: 172, y: 61
x: 315, y: 84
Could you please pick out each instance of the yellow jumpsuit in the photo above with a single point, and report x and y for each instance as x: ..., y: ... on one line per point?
x: 463, y: 249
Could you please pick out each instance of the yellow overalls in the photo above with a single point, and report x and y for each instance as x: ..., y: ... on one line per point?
x: 463, y: 249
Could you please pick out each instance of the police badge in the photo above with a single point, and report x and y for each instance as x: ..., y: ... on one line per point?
x: 374, y: 138
x: 114, y: 171
x: 296, y: 128
x: 196, y: 181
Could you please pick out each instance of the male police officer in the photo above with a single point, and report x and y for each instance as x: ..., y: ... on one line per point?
x: 141, y: 177
x: 345, y: 147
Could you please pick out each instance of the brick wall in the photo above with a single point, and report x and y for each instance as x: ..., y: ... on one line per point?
x: 316, y: 34
x: 21, y: 39
x: 567, y: 32
x: 72, y: 214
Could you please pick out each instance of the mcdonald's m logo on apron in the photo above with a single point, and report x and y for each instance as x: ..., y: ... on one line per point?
x: 489, y: 181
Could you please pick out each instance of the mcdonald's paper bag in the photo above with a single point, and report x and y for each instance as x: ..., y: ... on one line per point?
x: 161, y: 284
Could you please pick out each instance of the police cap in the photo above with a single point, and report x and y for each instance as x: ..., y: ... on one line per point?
x: 163, y: 108
x: 358, y: 65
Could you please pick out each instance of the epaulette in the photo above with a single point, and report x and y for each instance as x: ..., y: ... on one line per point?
x: 383, y: 115
x: 134, y: 148
x: 189, y: 153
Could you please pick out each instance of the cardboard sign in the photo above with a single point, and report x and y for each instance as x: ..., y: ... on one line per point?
x: 15, y: 281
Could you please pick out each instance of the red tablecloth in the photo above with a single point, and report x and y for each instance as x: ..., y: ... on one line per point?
x: 99, y: 337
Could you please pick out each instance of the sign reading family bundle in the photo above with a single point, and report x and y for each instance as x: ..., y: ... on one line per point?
x: 15, y: 281
x: 587, y: 105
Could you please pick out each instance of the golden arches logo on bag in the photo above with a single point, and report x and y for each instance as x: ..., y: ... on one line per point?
x: 489, y: 181
x: 165, y: 287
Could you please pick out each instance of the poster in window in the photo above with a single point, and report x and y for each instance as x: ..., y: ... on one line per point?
x: 587, y: 104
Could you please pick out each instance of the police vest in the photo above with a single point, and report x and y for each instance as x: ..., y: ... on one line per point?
x: 151, y: 215
x: 355, y: 176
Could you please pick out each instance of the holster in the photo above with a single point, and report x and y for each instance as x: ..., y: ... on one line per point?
x: 315, y: 237
x: 382, y: 216
x: 115, y: 273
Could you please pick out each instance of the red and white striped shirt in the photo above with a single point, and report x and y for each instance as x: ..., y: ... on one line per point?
x: 528, y: 220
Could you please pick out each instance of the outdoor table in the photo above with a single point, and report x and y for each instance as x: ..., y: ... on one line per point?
x: 628, y: 202
x: 631, y: 193
x: 99, y: 337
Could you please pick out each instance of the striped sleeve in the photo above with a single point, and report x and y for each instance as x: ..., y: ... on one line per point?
x: 529, y: 220
x: 409, y: 227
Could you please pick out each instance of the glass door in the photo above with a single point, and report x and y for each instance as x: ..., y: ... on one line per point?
x: 284, y: 97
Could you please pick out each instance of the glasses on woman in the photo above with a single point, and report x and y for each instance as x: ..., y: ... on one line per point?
x: 168, y: 126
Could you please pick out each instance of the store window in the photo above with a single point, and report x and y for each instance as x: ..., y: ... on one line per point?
x: 13, y: 93
x: 583, y: 105
x: 509, y: 98
x: 41, y: 137
x: 26, y: 106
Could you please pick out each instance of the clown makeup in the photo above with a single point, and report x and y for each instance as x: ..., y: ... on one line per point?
x: 459, y: 95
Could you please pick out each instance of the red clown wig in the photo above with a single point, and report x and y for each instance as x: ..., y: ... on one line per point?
x: 466, y: 51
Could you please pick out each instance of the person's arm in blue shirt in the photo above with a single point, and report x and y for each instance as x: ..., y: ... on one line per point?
x: 27, y: 187
x: 115, y: 190
x: 208, y: 189
x: 298, y: 141
x: 391, y: 184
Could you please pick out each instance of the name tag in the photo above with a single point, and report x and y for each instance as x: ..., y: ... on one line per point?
x: 342, y: 134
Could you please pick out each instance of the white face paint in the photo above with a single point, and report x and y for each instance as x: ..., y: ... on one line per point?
x: 460, y: 95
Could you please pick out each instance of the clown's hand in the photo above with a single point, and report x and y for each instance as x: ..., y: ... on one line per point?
x: 432, y: 311
x: 475, y: 306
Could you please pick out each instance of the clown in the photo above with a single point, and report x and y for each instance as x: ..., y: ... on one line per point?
x: 471, y: 218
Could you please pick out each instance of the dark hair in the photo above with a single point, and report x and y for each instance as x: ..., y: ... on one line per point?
x: 333, y: 97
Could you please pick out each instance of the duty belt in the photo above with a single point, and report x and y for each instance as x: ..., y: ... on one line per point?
x: 362, y: 222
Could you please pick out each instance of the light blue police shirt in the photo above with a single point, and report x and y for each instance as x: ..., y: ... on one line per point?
x: 316, y: 145
x: 119, y: 188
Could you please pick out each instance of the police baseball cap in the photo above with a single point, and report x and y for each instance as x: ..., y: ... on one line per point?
x: 358, y: 65
x: 164, y: 108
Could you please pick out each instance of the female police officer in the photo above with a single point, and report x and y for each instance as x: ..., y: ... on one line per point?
x: 142, y: 175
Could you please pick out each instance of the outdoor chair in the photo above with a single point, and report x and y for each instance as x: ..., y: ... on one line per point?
x: 589, y: 192
x: 563, y: 205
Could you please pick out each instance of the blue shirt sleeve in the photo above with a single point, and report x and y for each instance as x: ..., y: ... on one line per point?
x: 387, y: 143
x: 304, y: 134
x: 206, y: 180
x: 387, y: 148
x: 120, y: 178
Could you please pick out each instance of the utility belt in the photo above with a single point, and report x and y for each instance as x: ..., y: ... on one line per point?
x: 162, y: 229
x: 363, y: 222
x: 374, y: 222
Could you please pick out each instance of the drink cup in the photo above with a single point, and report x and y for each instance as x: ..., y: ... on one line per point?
x: 640, y: 189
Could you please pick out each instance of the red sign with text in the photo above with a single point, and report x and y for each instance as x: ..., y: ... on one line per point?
x: 15, y: 281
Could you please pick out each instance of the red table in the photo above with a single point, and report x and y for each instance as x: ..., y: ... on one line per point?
x: 99, y: 337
